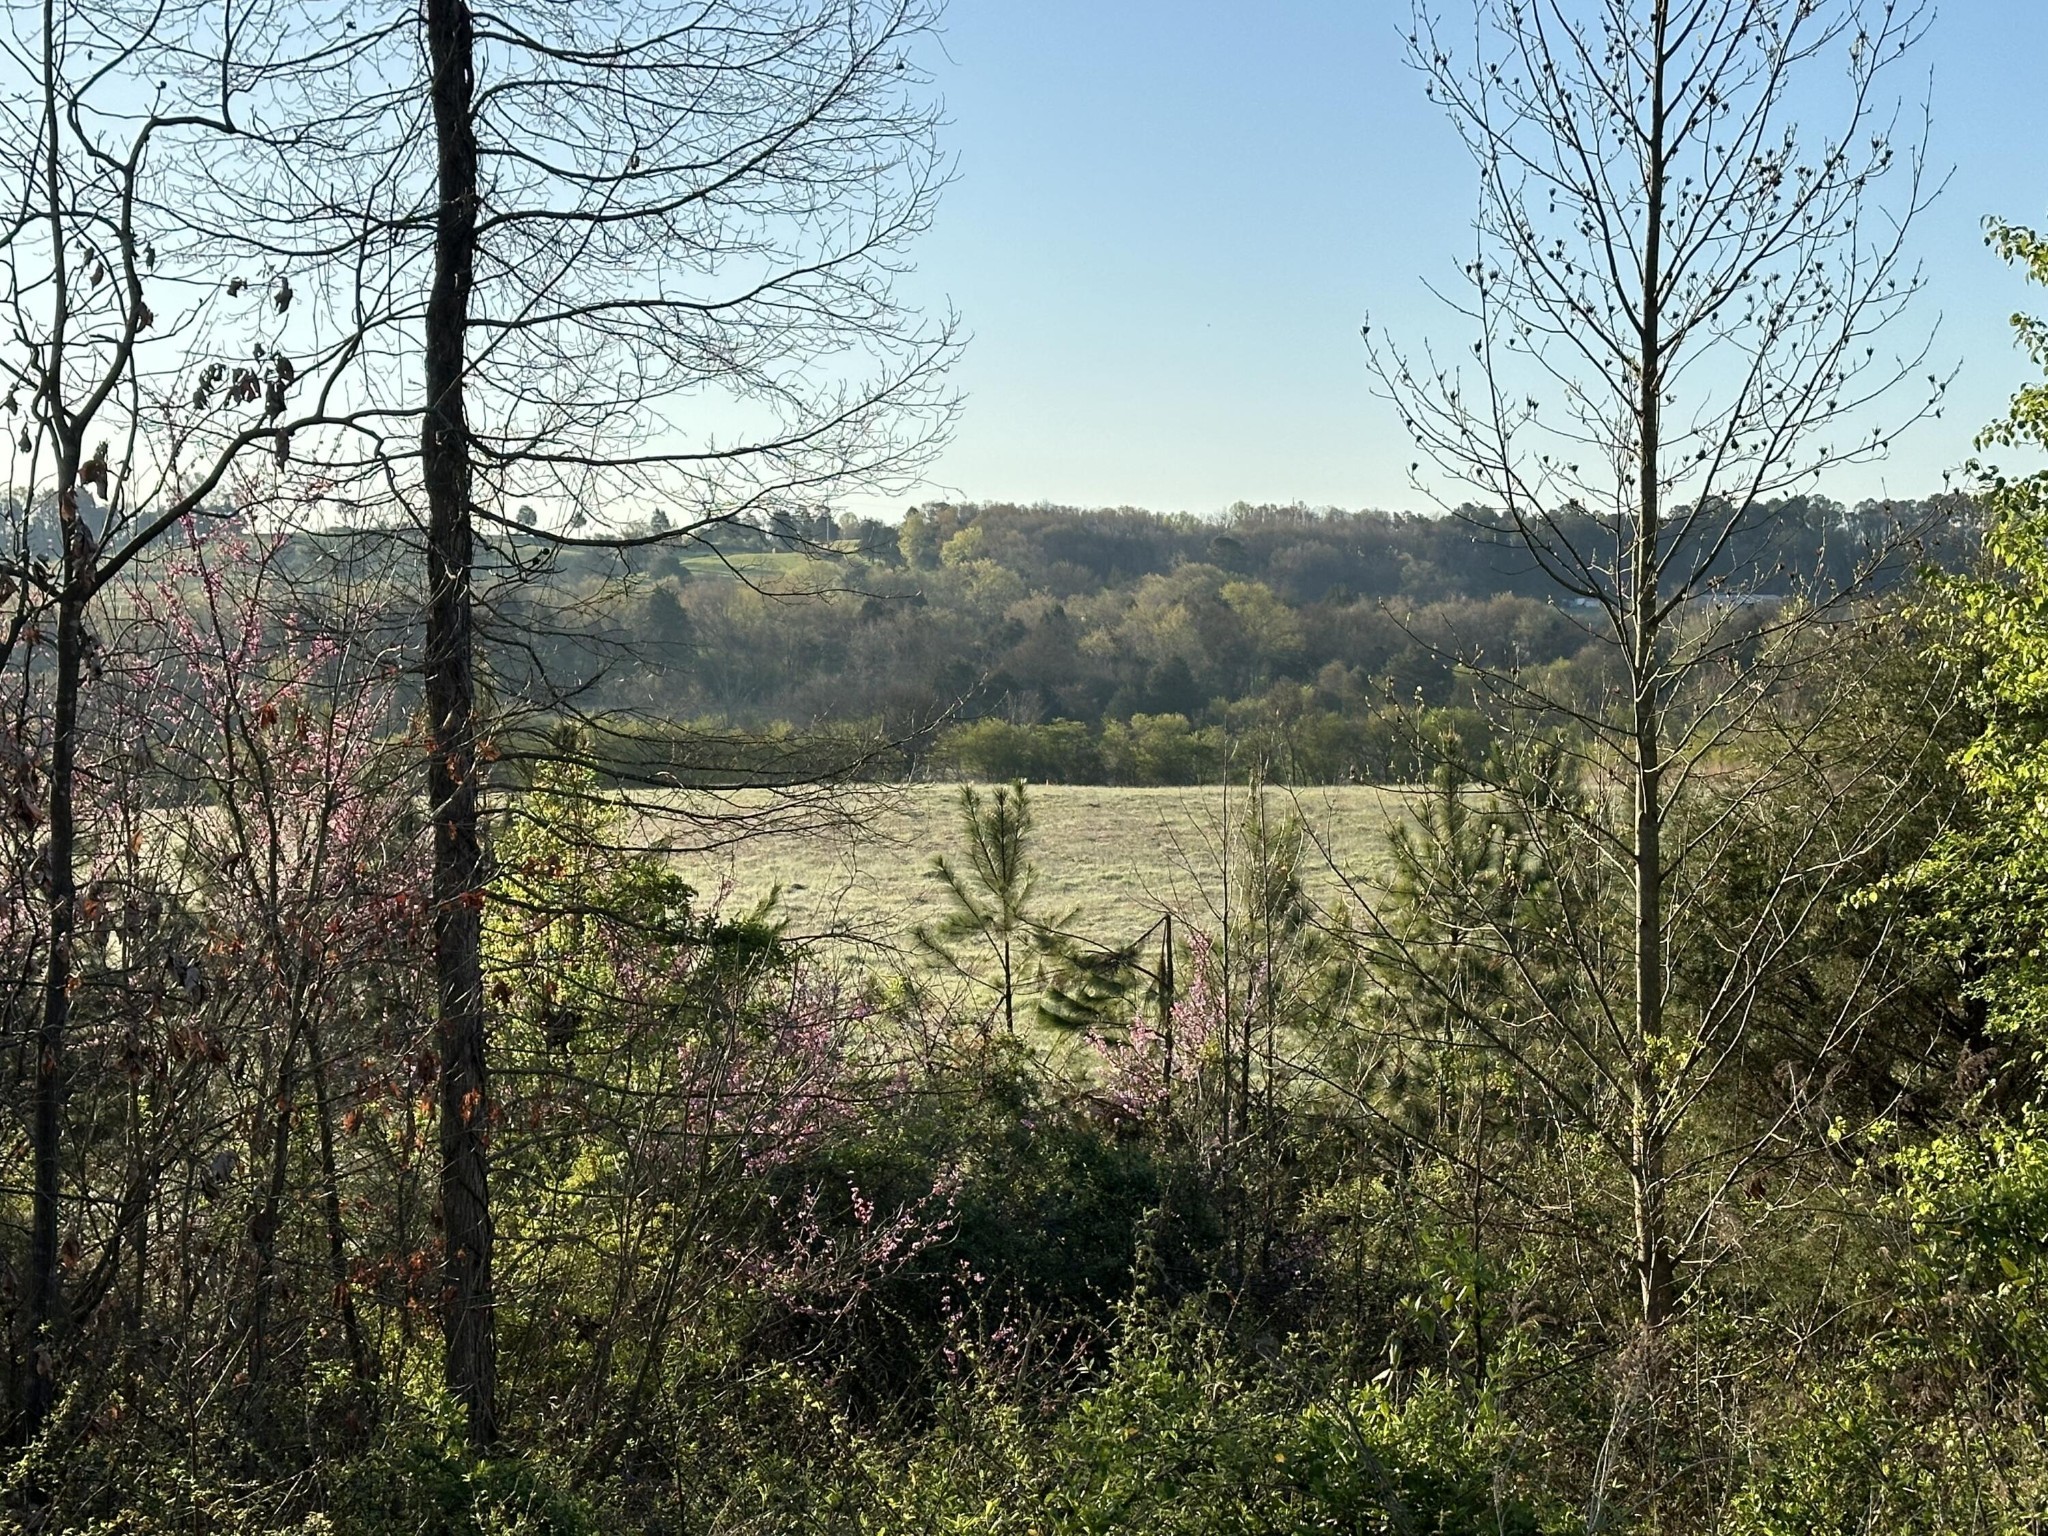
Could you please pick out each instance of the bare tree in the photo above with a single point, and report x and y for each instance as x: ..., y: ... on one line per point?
x: 646, y: 256
x: 137, y: 382
x: 1676, y: 295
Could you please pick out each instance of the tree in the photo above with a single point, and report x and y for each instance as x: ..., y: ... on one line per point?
x: 646, y: 259
x: 1989, y: 878
x: 1959, y: 1294
x: 991, y: 906
x: 1676, y: 299
x: 140, y: 382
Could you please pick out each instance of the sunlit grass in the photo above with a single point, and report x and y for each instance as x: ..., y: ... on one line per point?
x: 1114, y: 858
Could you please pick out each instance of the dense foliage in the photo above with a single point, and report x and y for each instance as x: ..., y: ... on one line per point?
x: 1295, y: 1212
x: 1269, y: 1237
x: 1128, y: 647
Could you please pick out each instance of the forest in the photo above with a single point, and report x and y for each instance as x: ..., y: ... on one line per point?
x: 1119, y: 646
x: 428, y: 433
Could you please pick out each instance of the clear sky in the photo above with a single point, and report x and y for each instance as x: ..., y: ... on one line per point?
x: 1171, y: 216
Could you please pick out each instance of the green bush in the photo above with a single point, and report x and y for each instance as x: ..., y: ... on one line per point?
x: 421, y: 1485
x: 1850, y: 1457
x: 1058, y: 752
x: 160, y: 1476
x: 1178, y: 1440
x: 1162, y: 749
x: 1045, y: 1213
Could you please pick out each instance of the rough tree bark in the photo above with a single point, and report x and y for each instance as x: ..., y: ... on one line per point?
x: 450, y: 698
x: 46, y: 1300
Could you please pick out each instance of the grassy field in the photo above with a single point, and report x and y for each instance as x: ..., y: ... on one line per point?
x: 769, y: 566
x: 1116, y: 858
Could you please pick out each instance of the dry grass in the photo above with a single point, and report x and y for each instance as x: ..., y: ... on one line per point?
x: 1115, y: 858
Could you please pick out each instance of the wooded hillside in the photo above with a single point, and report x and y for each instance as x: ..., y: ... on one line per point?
x: 1128, y: 647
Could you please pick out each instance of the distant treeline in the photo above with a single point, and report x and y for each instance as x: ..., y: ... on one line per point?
x: 1124, y: 646
x: 1297, y: 738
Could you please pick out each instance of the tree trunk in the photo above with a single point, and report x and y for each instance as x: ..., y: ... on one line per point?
x: 45, y: 1294
x: 465, y: 1110
x: 266, y: 1216
x: 1166, y: 1017
x: 45, y: 1287
x: 330, y: 1205
x: 1652, y: 1259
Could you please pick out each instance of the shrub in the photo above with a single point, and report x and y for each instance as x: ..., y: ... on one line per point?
x: 1179, y: 1440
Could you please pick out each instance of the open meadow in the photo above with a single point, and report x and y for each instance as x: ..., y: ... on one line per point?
x: 1115, y: 858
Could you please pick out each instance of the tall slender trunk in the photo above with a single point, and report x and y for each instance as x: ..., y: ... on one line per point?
x: 469, y: 1319
x: 1652, y: 1256
x: 45, y: 1286
x: 59, y: 853
x: 1166, y: 1016
x: 267, y: 1215
x: 330, y: 1205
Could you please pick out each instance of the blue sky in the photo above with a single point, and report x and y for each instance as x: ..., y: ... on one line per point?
x: 1171, y: 216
